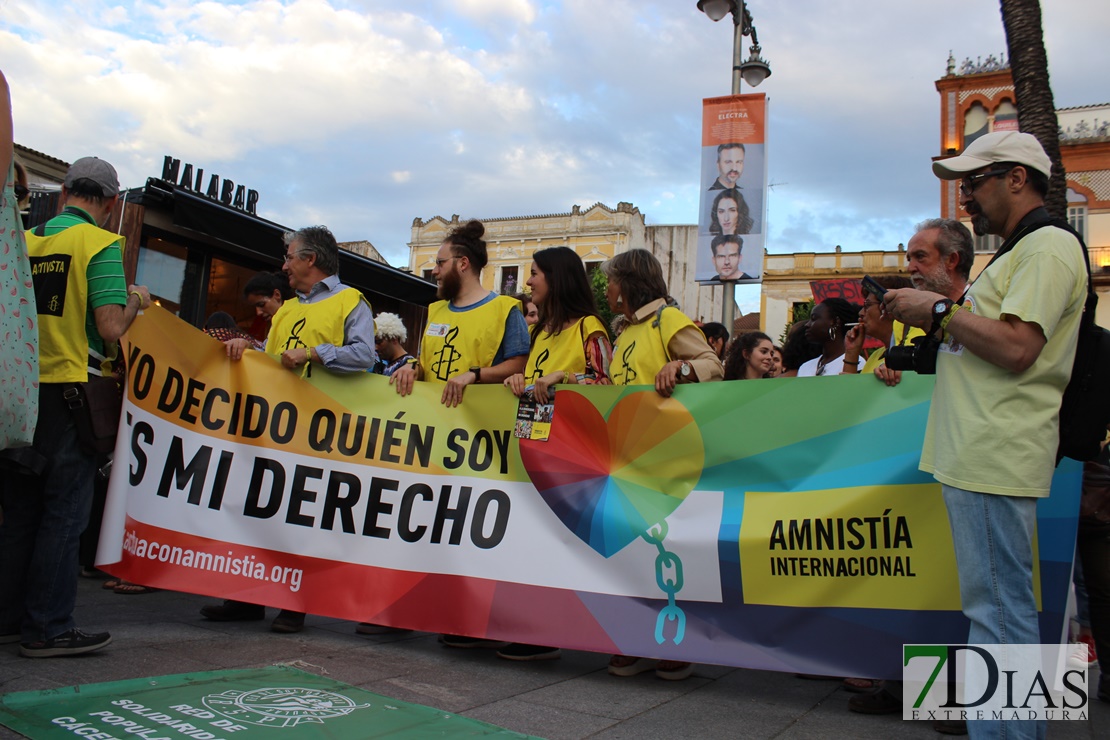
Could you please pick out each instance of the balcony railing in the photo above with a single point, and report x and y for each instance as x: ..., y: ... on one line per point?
x: 1100, y: 261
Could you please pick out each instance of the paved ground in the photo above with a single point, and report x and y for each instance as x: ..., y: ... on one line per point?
x: 162, y: 633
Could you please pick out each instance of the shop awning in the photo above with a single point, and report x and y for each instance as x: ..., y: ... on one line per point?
x: 258, y: 239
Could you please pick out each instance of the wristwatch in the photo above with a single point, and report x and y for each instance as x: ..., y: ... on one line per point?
x: 477, y: 373
x: 684, y: 369
x: 940, y: 310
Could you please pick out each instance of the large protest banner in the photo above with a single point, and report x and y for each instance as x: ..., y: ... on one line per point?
x: 781, y: 524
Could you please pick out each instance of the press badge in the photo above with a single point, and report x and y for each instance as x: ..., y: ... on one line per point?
x: 437, y: 330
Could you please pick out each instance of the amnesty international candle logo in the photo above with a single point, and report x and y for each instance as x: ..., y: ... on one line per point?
x: 294, y: 340
x: 281, y: 707
x: 444, y: 364
x: 849, y: 547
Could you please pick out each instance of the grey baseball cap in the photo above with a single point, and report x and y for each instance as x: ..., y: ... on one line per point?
x: 97, y: 170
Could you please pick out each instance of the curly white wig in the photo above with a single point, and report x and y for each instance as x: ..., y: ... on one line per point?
x: 390, y: 326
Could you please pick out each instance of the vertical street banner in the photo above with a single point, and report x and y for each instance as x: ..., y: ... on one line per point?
x: 777, y: 524
x: 732, y: 214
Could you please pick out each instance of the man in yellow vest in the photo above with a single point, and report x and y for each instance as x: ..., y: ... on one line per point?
x: 84, y: 305
x: 330, y: 324
x: 473, y: 334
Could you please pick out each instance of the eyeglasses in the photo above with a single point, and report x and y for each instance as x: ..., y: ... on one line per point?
x: 439, y: 263
x: 289, y: 257
x: 871, y: 304
x: 971, y: 183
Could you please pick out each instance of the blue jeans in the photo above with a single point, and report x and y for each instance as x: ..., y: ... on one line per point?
x: 993, y: 538
x: 43, y: 521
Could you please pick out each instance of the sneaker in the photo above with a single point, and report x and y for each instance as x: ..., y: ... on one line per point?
x: 950, y: 726
x: 233, y: 611
x: 461, y: 641
x: 628, y: 665
x: 288, y: 622
x: 673, y: 670
x: 1082, y: 655
x: 9, y: 639
x: 74, y: 642
x: 879, y: 701
x: 523, y: 651
x: 370, y: 628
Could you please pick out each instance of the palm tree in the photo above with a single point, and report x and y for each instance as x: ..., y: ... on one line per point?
x: 1036, y: 109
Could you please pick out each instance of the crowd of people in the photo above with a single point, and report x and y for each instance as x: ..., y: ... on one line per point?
x: 1004, y: 348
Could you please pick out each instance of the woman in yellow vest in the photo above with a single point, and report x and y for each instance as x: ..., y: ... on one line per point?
x: 569, y: 342
x: 660, y: 345
x: 569, y: 345
x: 878, y: 325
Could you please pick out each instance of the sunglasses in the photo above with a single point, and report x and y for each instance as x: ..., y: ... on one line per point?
x: 21, y: 191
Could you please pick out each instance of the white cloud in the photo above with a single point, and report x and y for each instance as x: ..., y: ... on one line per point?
x: 522, y: 11
x: 510, y: 107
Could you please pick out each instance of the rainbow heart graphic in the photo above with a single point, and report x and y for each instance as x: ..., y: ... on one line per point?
x: 610, y: 479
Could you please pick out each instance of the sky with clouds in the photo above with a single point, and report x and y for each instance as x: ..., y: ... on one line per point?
x: 364, y: 114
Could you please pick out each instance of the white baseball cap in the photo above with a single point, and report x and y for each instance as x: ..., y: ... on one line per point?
x: 999, y: 146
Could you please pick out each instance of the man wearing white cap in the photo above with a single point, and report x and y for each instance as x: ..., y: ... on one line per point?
x: 84, y: 306
x: 993, y: 425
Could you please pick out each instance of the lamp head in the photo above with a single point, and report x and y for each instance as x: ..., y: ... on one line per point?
x: 755, y: 68
x: 715, y: 9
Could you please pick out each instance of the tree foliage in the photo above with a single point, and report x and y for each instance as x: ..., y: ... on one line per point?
x: 1036, y: 108
x: 800, y: 312
x: 600, y: 284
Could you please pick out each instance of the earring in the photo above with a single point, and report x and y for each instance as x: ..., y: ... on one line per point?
x: 832, y: 333
x: 620, y: 300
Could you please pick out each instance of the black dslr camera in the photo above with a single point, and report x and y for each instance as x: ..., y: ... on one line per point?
x: 919, y: 356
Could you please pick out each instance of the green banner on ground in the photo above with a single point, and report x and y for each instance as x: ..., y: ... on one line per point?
x: 275, y: 702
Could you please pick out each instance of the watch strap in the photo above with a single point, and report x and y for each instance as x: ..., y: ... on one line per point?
x: 952, y: 311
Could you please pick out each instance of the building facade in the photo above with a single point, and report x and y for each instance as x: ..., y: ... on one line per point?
x: 978, y: 98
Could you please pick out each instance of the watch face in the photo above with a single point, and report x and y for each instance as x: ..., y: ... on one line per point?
x: 940, y: 307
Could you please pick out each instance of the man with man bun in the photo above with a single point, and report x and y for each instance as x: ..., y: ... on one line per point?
x: 473, y: 335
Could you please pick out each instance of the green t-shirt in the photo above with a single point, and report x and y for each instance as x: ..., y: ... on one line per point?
x: 990, y: 430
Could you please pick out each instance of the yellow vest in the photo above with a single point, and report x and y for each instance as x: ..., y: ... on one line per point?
x: 456, y: 341
x: 641, y: 351
x: 563, y: 351
x: 298, y: 324
x: 59, y: 267
x: 897, y: 332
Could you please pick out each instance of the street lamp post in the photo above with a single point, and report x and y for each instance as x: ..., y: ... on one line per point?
x: 753, y: 71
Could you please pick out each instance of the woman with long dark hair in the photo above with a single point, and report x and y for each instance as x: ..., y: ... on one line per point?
x: 569, y: 345
x: 730, y: 214
x: 751, y: 356
x: 569, y: 342
x: 827, y: 325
